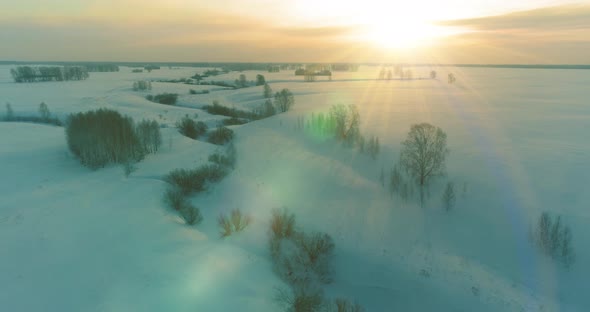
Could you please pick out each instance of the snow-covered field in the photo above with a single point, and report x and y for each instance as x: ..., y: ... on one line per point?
x: 72, y: 239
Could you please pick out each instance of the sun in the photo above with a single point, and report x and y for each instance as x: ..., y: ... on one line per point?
x: 403, y: 34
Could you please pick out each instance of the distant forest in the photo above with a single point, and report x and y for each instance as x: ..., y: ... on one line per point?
x: 273, y: 67
x: 45, y: 73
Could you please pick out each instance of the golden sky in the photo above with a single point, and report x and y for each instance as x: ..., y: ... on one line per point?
x: 421, y: 31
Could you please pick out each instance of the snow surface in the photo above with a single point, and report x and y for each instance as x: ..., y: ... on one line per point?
x: 72, y: 239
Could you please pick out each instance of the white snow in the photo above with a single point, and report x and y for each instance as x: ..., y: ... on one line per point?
x: 72, y: 239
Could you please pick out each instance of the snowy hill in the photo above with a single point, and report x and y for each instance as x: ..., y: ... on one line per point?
x: 73, y: 239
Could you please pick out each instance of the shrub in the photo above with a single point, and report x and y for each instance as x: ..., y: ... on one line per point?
x: 191, y: 91
x: 190, y: 128
x: 142, y: 85
x: 148, y: 133
x: 554, y: 239
x: 284, y: 100
x: 195, y: 180
x: 344, y: 305
x: 221, y: 136
x: 137, y: 71
x: 101, y: 137
x: 301, y: 299
x: 260, y: 80
x: 233, y: 121
x: 282, y: 224
x: 235, y: 223
x: 191, y: 214
x: 448, y: 197
x: 318, y: 250
x: 163, y: 98
x: 175, y: 199
x: 424, y: 152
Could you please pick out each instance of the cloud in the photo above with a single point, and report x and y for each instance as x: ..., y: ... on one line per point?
x: 565, y: 17
x: 320, y: 32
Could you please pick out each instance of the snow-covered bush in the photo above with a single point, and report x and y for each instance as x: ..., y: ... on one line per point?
x: 221, y: 135
x: 189, y: 128
x: 103, y: 136
x: 236, y: 222
x: 554, y: 239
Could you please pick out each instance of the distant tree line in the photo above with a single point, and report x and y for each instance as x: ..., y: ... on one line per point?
x: 45, y: 73
x: 101, y: 68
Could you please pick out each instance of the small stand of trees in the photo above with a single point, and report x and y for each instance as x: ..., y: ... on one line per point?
x: 104, y: 136
x: 554, y: 239
x: 142, y: 85
x: 35, y: 74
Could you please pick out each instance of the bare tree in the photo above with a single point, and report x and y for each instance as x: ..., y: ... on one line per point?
x: 346, y: 122
x: 44, y: 111
x: 423, y: 153
x: 448, y: 197
x: 9, y: 112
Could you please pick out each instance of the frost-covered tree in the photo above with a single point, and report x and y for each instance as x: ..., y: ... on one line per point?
x: 424, y: 152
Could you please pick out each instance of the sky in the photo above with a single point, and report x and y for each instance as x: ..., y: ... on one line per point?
x: 417, y: 31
